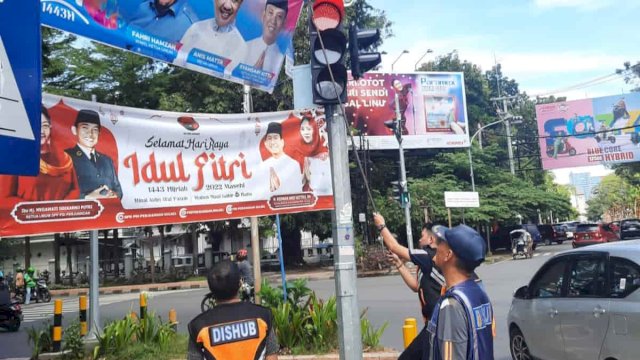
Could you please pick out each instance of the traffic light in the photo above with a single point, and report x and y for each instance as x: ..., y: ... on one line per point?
x: 400, y: 192
x: 361, y: 62
x: 328, y: 47
x: 397, y: 131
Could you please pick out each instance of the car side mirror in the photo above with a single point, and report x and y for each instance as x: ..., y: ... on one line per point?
x: 522, y: 293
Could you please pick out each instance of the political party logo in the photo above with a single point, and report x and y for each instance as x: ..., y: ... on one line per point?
x: 188, y: 123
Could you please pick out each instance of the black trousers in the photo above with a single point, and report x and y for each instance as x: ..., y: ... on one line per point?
x: 420, y: 347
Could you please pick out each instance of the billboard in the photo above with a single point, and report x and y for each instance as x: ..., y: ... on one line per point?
x: 104, y: 167
x: 241, y: 41
x: 598, y: 131
x: 432, y: 107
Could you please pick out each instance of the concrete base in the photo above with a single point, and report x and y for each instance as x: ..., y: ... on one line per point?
x: 56, y: 355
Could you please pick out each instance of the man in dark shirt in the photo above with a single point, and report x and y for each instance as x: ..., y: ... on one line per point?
x: 428, y: 282
x: 232, y: 329
x: 5, y: 294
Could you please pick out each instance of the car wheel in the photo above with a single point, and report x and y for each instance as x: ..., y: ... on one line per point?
x: 518, y: 346
x: 14, y: 325
x: 560, y: 242
x: 547, y: 242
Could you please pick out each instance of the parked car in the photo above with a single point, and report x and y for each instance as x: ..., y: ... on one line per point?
x: 581, y: 304
x: 570, y: 228
x: 629, y: 229
x: 555, y: 233
x: 501, y: 239
x: 590, y: 234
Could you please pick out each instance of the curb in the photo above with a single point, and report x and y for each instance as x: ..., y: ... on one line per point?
x: 187, y: 285
x: 371, y: 356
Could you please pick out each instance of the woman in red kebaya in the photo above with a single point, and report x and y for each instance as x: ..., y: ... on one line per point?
x: 56, y: 180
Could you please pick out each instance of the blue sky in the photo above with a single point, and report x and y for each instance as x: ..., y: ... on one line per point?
x: 545, y: 45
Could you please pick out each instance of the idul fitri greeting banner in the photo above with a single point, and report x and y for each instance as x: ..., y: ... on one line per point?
x: 104, y: 167
x: 241, y: 41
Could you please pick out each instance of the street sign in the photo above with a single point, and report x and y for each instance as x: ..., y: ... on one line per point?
x: 20, y: 87
x: 461, y: 199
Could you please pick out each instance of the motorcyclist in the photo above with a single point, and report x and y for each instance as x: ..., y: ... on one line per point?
x: 5, y: 294
x: 246, y: 271
x: 30, y: 284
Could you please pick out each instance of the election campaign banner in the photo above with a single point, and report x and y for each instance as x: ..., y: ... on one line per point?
x: 104, y: 167
x: 432, y: 107
x: 241, y: 41
x: 598, y: 131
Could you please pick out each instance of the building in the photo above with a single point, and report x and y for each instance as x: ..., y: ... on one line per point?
x: 584, y: 183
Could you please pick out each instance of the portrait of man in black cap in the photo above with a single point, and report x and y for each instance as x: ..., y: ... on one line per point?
x: 263, y: 52
x: 284, y: 172
x: 96, y: 174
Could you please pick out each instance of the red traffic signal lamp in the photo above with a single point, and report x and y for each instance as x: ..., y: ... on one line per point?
x: 328, y: 47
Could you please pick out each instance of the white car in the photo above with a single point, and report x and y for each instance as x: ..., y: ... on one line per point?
x: 582, y: 304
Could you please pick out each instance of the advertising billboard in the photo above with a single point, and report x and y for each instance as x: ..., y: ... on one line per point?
x: 598, y: 131
x: 241, y: 41
x: 104, y: 167
x: 432, y: 109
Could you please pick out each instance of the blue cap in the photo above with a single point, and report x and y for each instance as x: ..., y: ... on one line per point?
x: 465, y: 242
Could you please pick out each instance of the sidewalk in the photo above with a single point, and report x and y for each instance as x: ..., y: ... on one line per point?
x: 323, y: 273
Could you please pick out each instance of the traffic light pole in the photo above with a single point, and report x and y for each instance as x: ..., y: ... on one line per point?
x: 350, y: 343
x: 403, y: 175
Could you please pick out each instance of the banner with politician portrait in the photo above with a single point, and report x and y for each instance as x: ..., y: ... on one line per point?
x: 431, y: 106
x: 598, y: 131
x: 244, y: 41
x: 104, y: 167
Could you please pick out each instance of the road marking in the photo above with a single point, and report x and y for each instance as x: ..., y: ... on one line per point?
x: 546, y: 254
x: 35, y: 312
x: 534, y: 255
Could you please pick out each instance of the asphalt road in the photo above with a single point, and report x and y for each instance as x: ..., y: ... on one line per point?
x: 386, y: 298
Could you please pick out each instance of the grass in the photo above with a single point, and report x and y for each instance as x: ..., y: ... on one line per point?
x: 196, y: 278
x: 176, y: 350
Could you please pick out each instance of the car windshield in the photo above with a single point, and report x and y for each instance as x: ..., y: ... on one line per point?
x: 587, y: 227
x: 558, y: 227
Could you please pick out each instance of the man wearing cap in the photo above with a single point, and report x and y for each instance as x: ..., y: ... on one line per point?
x: 214, y: 39
x: 166, y: 19
x: 462, y: 323
x: 285, y: 175
x: 427, y: 282
x: 96, y: 174
x: 263, y: 52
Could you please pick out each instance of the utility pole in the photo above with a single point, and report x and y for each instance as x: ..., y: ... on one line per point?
x: 247, y: 106
x: 505, y: 117
x: 343, y: 241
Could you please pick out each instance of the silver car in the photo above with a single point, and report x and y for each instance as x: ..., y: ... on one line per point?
x: 582, y: 304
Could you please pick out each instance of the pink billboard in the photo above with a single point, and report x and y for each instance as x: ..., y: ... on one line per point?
x: 599, y: 131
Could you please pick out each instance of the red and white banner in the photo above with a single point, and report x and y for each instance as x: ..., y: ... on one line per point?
x: 105, y: 166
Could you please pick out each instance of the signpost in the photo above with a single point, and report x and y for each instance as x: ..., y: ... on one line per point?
x: 460, y: 199
x: 20, y: 87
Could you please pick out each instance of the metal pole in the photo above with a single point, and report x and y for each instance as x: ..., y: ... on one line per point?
x: 282, y: 273
x: 473, y: 180
x: 403, y: 175
x: 255, y: 235
x: 507, y: 124
x: 94, y: 284
x: 343, y: 241
x: 94, y: 307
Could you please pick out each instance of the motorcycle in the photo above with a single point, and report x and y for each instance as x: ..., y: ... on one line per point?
x: 11, y: 316
x: 38, y: 294
x: 521, y: 244
x: 246, y: 294
x: 565, y: 148
x: 605, y: 134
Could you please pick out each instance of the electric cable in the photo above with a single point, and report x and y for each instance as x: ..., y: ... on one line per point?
x: 344, y: 116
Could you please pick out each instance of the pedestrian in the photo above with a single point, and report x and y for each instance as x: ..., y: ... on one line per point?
x: 427, y: 282
x: 5, y: 294
x: 30, y: 284
x: 462, y: 323
x: 233, y: 329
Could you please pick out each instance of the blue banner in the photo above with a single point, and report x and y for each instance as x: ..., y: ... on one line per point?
x: 20, y: 87
x: 241, y: 41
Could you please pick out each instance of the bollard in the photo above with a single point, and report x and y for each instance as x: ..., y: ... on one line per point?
x: 409, y: 331
x: 173, y: 319
x: 57, y: 325
x: 83, y: 315
x: 143, y: 306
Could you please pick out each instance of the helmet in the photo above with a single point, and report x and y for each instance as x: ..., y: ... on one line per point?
x: 31, y: 270
x: 242, y: 254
